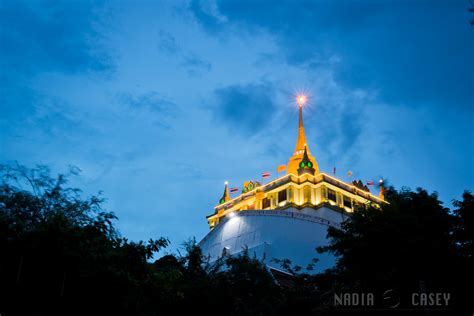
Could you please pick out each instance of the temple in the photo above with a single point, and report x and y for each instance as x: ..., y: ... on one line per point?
x: 301, y: 144
x: 286, y: 218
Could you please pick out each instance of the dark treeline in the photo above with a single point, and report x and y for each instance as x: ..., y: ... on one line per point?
x: 61, y: 255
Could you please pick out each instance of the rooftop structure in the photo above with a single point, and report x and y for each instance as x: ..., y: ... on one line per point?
x: 286, y: 218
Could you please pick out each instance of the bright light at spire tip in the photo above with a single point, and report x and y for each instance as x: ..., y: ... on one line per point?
x: 301, y: 99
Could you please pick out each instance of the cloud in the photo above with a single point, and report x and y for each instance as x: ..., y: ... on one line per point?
x: 16, y: 99
x: 351, y: 128
x: 338, y: 123
x: 51, y: 36
x: 207, y: 14
x: 195, y: 65
x: 152, y: 101
x: 245, y: 109
x: 167, y: 43
x: 192, y: 63
x: 41, y: 37
x: 153, y: 105
x: 417, y: 53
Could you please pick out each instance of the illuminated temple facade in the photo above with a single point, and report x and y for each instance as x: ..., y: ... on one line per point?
x: 286, y: 218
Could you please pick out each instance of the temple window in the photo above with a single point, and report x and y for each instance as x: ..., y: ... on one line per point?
x: 307, y: 194
x: 282, y: 196
x: 265, y: 203
x: 347, y: 202
x: 324, y: 192
x: 332, y: 195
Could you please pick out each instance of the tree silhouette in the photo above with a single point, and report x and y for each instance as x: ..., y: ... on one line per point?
x: 61, y: 255
x: 408, y: 246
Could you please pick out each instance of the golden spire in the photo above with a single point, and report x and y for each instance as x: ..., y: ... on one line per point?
x: 301, y: 140
x: 225, y: 197
x: 293, y: 163
x: 381, y: 190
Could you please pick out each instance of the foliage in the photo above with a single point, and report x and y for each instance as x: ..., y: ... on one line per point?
x: 61, y: 251
x: 61, y: 254
x: 463, y: 231
x: 411, y: 245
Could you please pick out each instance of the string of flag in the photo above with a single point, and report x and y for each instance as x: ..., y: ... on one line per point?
x: 281, y: 168
x: 349, y: 173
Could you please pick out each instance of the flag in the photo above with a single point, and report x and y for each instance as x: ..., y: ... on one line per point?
x: 280, y: 168
x: 266, y: 175
x: 370, y: 182
x: 349, y: 173
x: 233, y: 190
x: 334, y: 170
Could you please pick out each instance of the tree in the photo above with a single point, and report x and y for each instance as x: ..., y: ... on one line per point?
x: 406, y: 245
x: 464, y: 226
x: 61, y: 253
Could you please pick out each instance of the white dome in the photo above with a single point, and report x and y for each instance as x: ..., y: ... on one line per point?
x: 282, y: 234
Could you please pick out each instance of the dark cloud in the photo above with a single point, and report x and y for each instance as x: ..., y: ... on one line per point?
x: 337, y: 128
x: 54, y: 119
x: 152, y: 101
x: 193, y: 64
x: 17, y: 101
x: 160, y: 108
x: 412, y: 52
x: 200, y: 10
x: 245, y: 109
x: 51, y: 36
x: 167, y: 43
x: 351, y: 128
x: 45, y: 36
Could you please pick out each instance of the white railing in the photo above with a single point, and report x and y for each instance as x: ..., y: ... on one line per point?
x: 295, y: 215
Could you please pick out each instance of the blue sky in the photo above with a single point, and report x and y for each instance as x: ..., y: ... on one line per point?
x: 159, y: 102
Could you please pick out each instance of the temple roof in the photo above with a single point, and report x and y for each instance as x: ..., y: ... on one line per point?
x: 301, y: 144
x: 315, y: 179
x: 225, y: 197
x: 306, y: 166
x: 302, y: 187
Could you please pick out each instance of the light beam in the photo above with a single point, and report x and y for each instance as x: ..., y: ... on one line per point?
x: 301, y: 100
